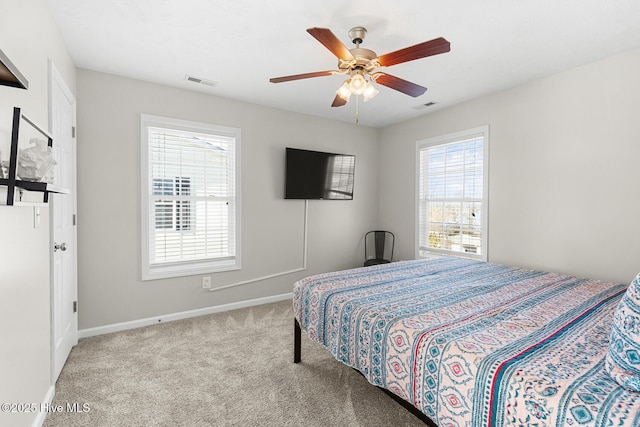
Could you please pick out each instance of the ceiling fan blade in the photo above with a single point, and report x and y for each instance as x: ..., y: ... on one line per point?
x: 331, y: 42
x: 338, y: 101
x: 399, y: 84
x: 422, y: 50
x: 301, y: 76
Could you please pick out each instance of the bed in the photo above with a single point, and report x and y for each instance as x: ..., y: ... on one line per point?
x: 470, y: 343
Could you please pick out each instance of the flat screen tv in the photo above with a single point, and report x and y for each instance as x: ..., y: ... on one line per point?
x: 318, y: 175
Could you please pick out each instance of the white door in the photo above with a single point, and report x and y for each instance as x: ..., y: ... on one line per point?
x: 64, y: 315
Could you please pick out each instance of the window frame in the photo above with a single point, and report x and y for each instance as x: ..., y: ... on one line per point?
x: 184, y: 268
x: 446, y: 139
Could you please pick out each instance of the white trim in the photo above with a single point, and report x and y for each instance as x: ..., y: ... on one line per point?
x: 444, y: 139
x: 123, y: 326
x: 42, y: 415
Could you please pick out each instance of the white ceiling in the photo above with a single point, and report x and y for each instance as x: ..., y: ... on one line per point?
x: 240, y: 44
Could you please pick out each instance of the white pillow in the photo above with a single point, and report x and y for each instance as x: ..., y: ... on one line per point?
x: 623, y: 357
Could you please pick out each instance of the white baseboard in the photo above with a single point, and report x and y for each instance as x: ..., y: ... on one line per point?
x: 123, y: 326
x: 42, y: 415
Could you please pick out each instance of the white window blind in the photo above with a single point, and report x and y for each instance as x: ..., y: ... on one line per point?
x: 191, y: 198
x: 452, y: 194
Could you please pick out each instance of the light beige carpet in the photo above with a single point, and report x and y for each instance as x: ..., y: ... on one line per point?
x: 226, y: 369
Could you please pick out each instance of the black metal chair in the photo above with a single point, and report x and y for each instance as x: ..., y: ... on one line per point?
x: 378, y: 247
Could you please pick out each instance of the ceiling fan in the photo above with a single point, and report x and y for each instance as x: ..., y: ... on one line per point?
x: 361, y: 65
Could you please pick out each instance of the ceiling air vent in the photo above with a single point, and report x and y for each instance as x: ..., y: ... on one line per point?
x: 200, y: 81
x: 421, y: 106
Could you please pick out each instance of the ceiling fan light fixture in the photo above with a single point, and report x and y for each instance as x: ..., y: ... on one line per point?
x: 360, y: 65
x: 369, y: 92
x: 343, y: 91
x: 357, y: 84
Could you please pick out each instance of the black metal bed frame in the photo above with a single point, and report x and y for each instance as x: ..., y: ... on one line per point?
x: 297, y: 344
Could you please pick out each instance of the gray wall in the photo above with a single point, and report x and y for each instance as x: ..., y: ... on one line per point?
x: 110, y: 289
x: 564, y: 176
x: 29, y: 37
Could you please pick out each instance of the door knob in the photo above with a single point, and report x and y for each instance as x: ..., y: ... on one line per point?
x: 62, y: 246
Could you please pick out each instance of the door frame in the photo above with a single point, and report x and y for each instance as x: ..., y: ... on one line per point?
x: 55, y: 77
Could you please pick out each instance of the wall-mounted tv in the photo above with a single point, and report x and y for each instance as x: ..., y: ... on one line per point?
x: 318, y: 175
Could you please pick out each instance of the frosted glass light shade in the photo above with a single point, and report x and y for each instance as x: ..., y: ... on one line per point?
x: 369, y: 92
x: 358, y: 84
x: 343, y: 91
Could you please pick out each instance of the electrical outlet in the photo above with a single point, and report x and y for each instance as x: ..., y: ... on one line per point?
x: 206, y: 282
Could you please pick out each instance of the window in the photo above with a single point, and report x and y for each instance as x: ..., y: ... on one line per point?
x: 190, y: 198
x: 452, y: 194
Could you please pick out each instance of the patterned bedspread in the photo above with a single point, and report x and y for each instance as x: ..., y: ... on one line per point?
x: 474, y: 344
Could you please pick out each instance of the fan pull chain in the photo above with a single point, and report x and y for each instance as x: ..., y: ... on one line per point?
x: 357, y: 112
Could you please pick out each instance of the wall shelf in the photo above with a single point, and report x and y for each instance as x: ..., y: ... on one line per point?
x: 9, y: 74
x: 36, y: 186
x: 12, y: 182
